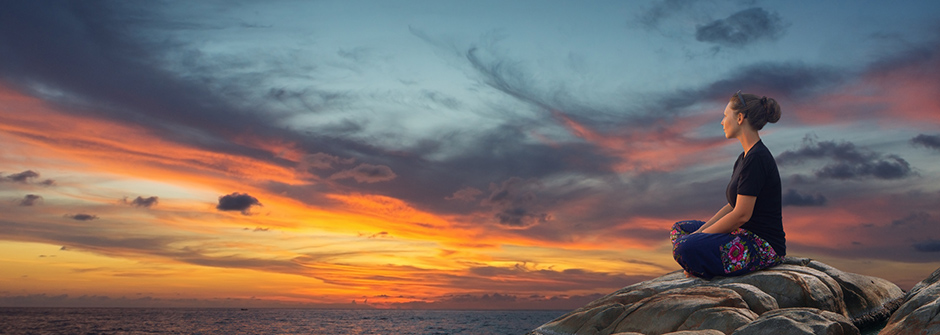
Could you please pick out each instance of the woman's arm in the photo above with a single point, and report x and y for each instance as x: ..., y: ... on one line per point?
x: 744, y: 207
x: 721, y: 213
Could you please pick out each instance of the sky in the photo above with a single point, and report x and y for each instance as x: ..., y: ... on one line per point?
x: 444, y: 154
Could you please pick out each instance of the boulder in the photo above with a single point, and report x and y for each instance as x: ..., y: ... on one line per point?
x: 919, y: 312
x: 799, y: 321
x: 868, y: 300
x: 757, y: 300
x: 682, y: 332
x: 672, y: 309
x: 696, y: 332
x: 673, y: 303
x: 722, y: 319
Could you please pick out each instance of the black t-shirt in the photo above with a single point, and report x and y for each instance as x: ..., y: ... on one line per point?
x: 756, y: 175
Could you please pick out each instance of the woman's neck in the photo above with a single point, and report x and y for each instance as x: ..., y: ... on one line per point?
x: 748, y: 139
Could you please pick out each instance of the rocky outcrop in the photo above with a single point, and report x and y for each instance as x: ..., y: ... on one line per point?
x: 824, y: 299
x: 920, y: 311
x: 799, y: 321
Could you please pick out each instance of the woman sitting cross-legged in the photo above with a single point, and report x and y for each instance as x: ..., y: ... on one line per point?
x: 745, y: 235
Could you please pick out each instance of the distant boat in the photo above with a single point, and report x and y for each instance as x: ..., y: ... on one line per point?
x: 244, y: 309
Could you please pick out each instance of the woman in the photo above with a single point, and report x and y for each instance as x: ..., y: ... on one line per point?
x: 745, y: 235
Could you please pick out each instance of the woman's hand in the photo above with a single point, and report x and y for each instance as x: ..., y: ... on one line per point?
x: 721, y: 213
x: 743, y: 209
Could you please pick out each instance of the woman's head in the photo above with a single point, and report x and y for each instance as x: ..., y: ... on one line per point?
x: 756, y: 110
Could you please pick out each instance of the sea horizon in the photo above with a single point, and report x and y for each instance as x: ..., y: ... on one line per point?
x: 118, y: 320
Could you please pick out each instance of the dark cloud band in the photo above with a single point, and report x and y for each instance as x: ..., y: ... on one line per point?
x: 847, y: 162
x: 794, y: 198
x: 927, y: 141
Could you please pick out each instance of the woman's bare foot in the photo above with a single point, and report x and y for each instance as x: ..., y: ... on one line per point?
x: 688, y: 275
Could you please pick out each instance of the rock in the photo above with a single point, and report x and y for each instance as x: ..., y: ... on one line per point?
x: 796, y: 286
x: 869, y: 300
x: 757, y: 300
x: 920, y: 311
x: 696, y: 332
x: 723, y: 319
x: 682, y: 332
x: 799, y: 321
x: 673, y: 302
x: 673, y: 308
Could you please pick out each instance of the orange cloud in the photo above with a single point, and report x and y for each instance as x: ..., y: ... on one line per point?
x: 657, y: 147
x: 110, y: 146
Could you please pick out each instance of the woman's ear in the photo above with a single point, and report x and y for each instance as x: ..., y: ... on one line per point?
x: 740, y: 117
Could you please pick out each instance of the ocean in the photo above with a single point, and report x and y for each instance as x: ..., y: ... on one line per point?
x: 266, y: 321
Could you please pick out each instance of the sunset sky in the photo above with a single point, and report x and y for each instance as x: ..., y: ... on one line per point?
x: 444, y: 154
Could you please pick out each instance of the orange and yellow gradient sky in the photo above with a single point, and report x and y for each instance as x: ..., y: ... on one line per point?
x: 442, y: 155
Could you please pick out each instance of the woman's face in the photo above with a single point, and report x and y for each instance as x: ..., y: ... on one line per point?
x: 730, y: 122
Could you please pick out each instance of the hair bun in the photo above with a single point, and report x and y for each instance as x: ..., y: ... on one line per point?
x: 773, y: 109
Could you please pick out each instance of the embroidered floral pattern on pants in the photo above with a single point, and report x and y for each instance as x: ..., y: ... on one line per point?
x: 766, y: 255
x: 734, y: 255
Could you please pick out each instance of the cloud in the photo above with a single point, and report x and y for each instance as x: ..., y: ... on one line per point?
x: 927, y: 141
x: 142, y: 202
x: 25, y: 177
x: 893, y: 167
x: 794, y: 198
x: 322, y: 161
x: 366, y: 173
x: 849, y: 162
x: 916, y: 219
x: 237, y: 202
x: 143, y: 74
x: 661, y: 10
x: 82, y: 217
x: 22, y: 177
x: 382, y: 234
x: 868, y: 229
x: 742, y: 28
x: 928, y: 246
x: 516, y: 204
x: 465, y: 194
x: 30, y: 199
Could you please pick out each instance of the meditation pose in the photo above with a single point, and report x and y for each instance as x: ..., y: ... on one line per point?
x: 745, y: 235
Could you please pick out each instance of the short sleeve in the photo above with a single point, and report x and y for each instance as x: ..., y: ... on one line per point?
x: 752, y: 177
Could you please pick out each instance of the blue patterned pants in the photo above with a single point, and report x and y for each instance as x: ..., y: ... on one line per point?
x: 712, y: 255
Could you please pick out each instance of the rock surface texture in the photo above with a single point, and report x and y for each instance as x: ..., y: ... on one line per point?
x: 801, y: 296
x: 920, y: 311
